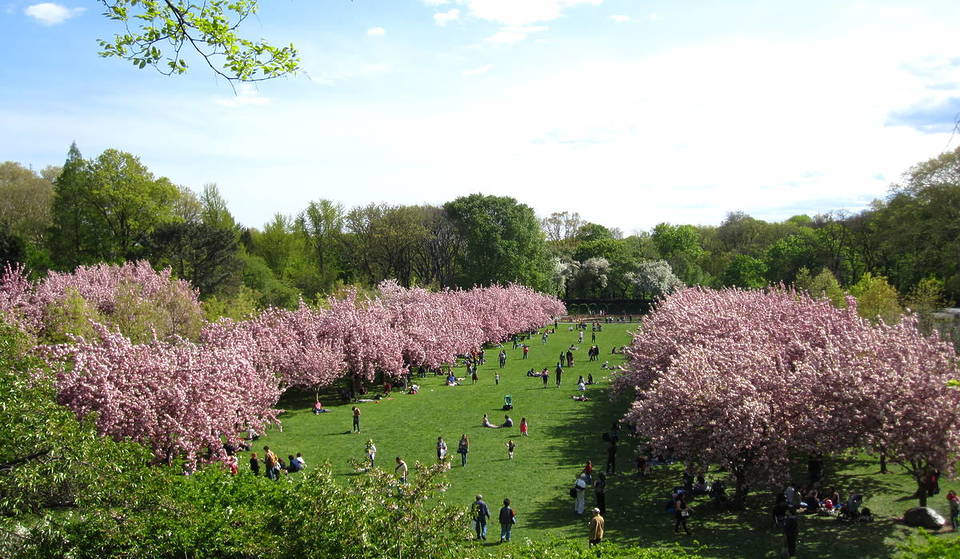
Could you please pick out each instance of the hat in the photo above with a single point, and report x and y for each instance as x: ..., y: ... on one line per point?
x: 596, y: 510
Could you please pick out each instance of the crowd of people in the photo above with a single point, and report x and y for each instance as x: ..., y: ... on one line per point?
x: 273, y: 466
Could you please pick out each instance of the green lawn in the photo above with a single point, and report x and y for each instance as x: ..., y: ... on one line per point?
x: 563, y: 435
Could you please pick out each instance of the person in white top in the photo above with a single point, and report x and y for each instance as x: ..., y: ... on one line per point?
x: 441, y: 449
x: 581, y: 488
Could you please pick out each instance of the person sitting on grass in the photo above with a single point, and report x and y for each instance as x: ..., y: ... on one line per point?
x: 507, y: 422
x: 318, y: 408
x: 486, y: 423
x: 580, y: 397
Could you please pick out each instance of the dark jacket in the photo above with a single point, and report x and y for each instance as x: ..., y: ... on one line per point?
x: 480, y: 512
x: 506, y: 515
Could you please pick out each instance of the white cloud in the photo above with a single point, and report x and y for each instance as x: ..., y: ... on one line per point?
x: 477, y: 71
x: 246, y: 96
x: 514, y: 34
x: 345, y: 70
x: 621, y: 18
x: 48, y: 13
x: 376, y: 32
x: 435, y: 2
x: 522, y: 12
x: 653, y: 16
x: 443, y: 18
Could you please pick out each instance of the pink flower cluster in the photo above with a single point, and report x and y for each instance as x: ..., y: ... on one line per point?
x: 112, y: 290
x: 746, y: 379
x: 180, y: 399
x: 311, y: 348
x: 187, y: 399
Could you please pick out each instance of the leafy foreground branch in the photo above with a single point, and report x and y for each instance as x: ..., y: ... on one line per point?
x: 156, y: 32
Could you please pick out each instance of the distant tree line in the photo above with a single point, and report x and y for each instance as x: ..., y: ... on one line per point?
x: 904, y: 250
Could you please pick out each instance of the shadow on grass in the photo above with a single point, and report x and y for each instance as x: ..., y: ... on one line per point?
x: 637, y: 507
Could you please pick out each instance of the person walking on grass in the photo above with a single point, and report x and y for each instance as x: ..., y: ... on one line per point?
x: 272, y: 463
x: 558, y: 372
x: 480, y: 515
x: 463, y: 448
x: 401, y: 470
x: 546, y: 378
x: 954, y: 502
x: 356, y: 419
x: 580, y: 487
x: 523, y: 427
x: 441, y: 449
x: 511, y: 446
x: 596, y: 527
x: 496, y: 378
x: 508, y: 517
x: 371, y: 452
x: 680, y: 514
x: 791, y: 530
x: 600, y: 490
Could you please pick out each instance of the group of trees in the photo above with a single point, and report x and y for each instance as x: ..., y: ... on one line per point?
x: 750, y: 379
x: 908, y: 238
x: 112, y: 209
x: 134, y: 348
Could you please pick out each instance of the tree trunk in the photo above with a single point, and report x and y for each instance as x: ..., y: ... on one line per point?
x: 922, y: 492
x: 883, y: 461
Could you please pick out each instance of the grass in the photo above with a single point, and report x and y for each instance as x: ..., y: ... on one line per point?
x: 564, y: 434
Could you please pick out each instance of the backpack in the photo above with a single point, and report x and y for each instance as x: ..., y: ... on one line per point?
x: 573, y: 492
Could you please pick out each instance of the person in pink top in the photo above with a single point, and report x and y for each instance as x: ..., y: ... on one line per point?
x: 523, y: 427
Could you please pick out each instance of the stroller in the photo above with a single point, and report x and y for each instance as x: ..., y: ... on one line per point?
x: 508, y: 402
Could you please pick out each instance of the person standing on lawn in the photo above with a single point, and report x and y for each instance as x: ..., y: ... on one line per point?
x: 255, y: 464
x: 600, y: 490
x: 507, y: 519
x: 580, y: 486
x: 596, y: 527
x: 480, y: 515
x: 441, y: 449
x: 463, y: 448
x: 954, y: 502
x: 356, y: 419
x: 401, y: 470
x: 681, y: 512
x: 791, y: 530
x: 272, y: 463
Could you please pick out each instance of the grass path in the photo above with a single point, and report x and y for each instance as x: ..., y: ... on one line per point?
x: 563, y: 435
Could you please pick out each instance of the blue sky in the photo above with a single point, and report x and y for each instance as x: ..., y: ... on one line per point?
x: 628, y: 112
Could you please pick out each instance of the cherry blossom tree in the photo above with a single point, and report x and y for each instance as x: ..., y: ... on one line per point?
x: 179, y: 399
x: 745, y: 379
x: 133, y: 296
x: 130, y: 360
